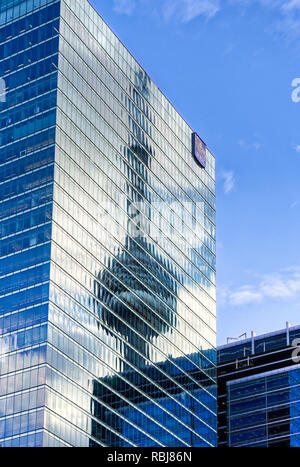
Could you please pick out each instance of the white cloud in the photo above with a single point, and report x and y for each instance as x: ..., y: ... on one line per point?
x: 288, y: 20
x: 291, y: 5
x: 228, y: 181
x: 297, y: 148
x: 187, y: 10
x: 125, y: 7
x: 180, y: 10
x: 277, y: 286
x: 256, y: 145
x: 286, y: 12
x: 283, y: 5
x: 242, y: 143
x: 244, y: 297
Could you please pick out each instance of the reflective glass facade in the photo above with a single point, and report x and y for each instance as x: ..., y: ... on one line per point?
x: 107, y: 285
x: 259, y: 395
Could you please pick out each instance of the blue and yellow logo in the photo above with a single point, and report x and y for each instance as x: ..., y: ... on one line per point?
x: 199, y: 150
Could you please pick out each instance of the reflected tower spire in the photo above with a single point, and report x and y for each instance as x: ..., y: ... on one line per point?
x: 135, y: 290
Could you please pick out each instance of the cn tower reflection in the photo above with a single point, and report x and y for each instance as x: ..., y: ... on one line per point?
x: 135, y: 289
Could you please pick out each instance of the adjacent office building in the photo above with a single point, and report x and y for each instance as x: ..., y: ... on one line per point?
x: 107, y: 243
x: 259, y: 391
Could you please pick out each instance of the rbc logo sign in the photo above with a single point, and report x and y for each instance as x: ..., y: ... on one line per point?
x: 199, y: 150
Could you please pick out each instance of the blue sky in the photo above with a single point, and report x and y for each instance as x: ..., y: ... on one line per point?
x: 228, y: 67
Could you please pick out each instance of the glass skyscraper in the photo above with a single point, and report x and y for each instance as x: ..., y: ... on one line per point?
x: 259, y: 391
x: 107, y: 243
